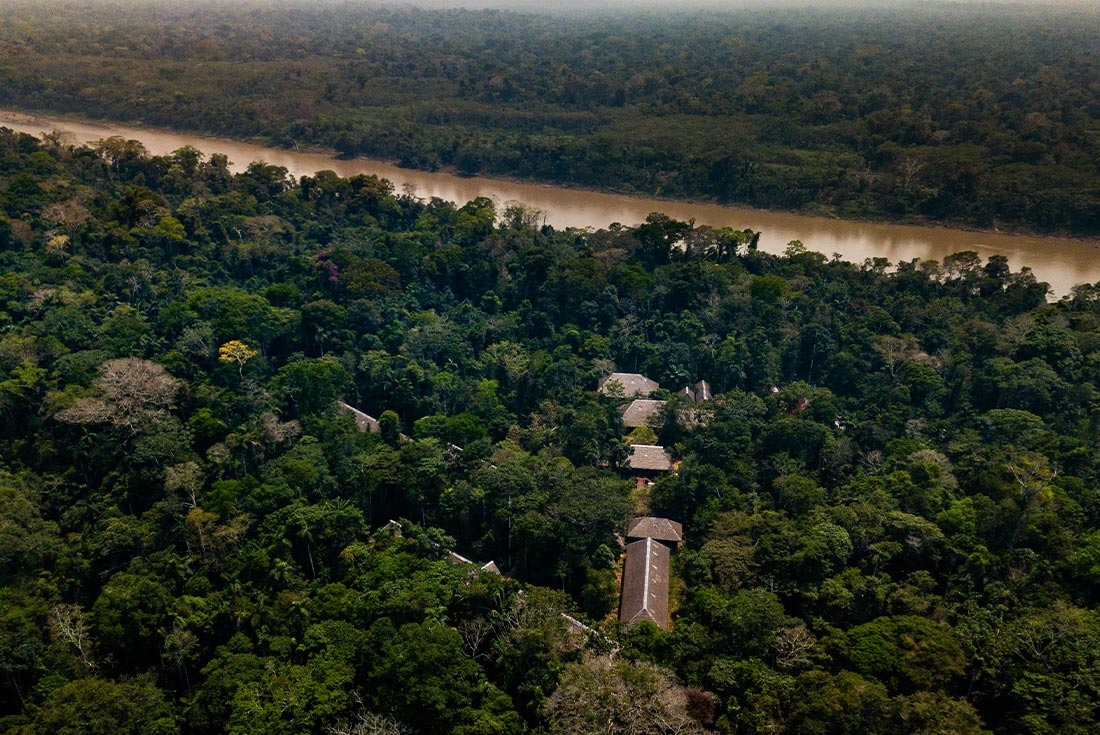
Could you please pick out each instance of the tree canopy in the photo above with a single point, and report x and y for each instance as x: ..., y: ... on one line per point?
x: 889, y: 504
x: 984, y: 116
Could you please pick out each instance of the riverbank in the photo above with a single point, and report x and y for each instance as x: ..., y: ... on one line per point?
x: 1061, y: 262
x: 25, y: 118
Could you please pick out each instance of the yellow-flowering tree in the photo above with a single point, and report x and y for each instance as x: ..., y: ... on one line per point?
x: 236, y: 351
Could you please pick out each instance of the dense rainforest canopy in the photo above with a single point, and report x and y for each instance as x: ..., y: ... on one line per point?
x: 986, y: 117
x: 891, y: 511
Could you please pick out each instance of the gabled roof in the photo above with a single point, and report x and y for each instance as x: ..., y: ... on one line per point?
x: 639, y: 412
x: 661, y: 529
x: 648, y: 457
x: 702, y: 391
x: 645, y: 584
x: 457, y: 558
x: 634, y: 384
x: 699, y: 393
x: 362, y: 420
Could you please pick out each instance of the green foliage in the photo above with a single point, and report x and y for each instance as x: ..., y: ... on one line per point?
x: 951, y: 113
x: 96, y: 706
x: 906, y: 653
x: 889, y: 505
x: 28, y: 541
x: 129, y: 613
x: 844, y: 704
x: 419, y: 671
x: 310, y: 385
x: 618, y: 698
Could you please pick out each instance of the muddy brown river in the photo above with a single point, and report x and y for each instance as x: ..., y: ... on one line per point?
x: 1060, y: 262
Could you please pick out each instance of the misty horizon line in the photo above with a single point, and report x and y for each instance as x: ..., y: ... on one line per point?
x: 581, y: 7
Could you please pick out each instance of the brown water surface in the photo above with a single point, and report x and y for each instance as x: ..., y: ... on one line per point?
x: 1061, y: 262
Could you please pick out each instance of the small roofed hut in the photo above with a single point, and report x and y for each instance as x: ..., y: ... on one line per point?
x: 646, y: 461
x: 640, y: 411
x: 700, y: 393
x: 633, y: 384
x: 661, y: 529
x: 645, y: 584
x: 648, y: 458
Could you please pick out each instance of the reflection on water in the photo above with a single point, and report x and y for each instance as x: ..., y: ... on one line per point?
x: 1062, y: 263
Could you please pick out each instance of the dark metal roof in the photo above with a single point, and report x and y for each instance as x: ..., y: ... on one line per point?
x: 661, y: 529
x: 645, y: 584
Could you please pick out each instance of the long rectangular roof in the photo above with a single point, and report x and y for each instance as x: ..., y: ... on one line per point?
x: 645, y: 584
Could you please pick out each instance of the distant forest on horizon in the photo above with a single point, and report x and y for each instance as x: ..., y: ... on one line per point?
x: 890, y: 500
x: 983, y: 117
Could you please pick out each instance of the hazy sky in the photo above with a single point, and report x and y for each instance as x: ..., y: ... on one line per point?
x: 573, y: 6
x: 550, y: 5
